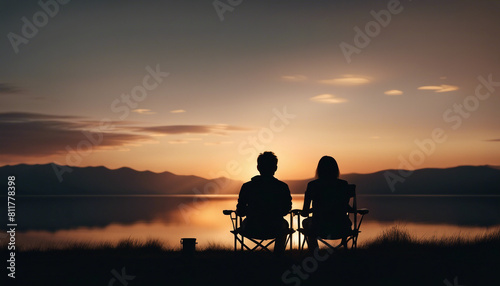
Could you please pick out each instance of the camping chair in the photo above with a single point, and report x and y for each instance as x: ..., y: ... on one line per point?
x: 260, y: 243
x: 355, y: 215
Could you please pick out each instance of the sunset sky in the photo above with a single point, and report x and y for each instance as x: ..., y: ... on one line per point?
x: 202, y: 87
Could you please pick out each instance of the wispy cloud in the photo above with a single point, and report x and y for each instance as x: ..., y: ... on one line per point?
x: 183, y: 140
x: 218, y: 143
x: 40, y: 135
x: 439, y: 88
x: 37, y: 135
x: 178, y: 141
x: 143, y: 111
x: 493, y: 140
x: 220, y: 129
x: 347, y: 79
x: 294, y: 77
x: 6, y: 88
x: 177, y: 111
x: 393, y: 92
x: 328, y: 98
x: 29, y: 116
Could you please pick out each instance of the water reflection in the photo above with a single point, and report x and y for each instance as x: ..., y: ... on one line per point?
x: 58, y: 220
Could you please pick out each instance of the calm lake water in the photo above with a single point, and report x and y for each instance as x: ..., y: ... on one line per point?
x: 56, y: 221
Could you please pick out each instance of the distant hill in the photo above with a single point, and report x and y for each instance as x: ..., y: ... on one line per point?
x: 462, y: 180
x: 42, y: 180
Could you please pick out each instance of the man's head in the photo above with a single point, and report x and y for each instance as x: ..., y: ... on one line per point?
x: 267, y: 163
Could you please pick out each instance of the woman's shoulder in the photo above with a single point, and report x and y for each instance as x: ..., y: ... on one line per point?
x: 322, y: 182
x: 314, y: 183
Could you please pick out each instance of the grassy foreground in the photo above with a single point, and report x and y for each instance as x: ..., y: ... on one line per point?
x: 394, y: 258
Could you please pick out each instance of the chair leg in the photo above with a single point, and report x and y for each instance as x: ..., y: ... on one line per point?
x: 344, y: 243
x: 329, y: 245
x: 235, y: 242
x: 304, y: 242
x: 260, y: 244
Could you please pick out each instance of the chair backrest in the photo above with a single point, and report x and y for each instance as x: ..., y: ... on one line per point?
x: 337, y: 225
x: 352, y: 236
x: 351, y: 189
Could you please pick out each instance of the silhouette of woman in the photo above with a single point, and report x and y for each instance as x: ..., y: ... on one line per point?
x: 330, y: 204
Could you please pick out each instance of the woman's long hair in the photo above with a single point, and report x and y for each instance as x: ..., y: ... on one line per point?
x: 327, y: 168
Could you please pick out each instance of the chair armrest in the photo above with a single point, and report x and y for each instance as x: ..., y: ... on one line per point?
x: 363, y: 211
x: 306, y: 213
x: 228, y: 212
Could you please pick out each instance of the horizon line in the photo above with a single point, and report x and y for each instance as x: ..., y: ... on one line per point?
x: 308, y: 178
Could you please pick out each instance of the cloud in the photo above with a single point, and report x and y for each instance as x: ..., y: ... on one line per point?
x: 294, y: 77
x: 178, y: 111
x: 143, y: 111
x: 220, y: 129
x: 38, y: 135
x: 393, y: 92
x: 178, y: 141
x: 347, y: 80
x: 328, y: 98
x: 439, y: 88
x: 8, y: 89
x: 183, y: 140
x: 218, y: 143
x: 493, y: 140
x: 29, y: 116
x: 26, y: 134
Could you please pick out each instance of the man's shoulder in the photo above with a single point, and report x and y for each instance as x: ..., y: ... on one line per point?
x: 247, y: 186
x: 259, y: 182
x: 281, y: 185
x: 281, y: 182
x: 342, y: 182
x: 247, y: 183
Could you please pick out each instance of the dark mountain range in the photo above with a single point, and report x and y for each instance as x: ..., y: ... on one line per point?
x: 43, y: 180
x: 462, y: 180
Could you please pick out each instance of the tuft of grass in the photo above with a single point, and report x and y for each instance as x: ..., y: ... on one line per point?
x: 135, y: 244
x: 398, y: 236
x: 216, y: 246
x: 491, y: 239
x: 395, y: 235
x: 88, y: 246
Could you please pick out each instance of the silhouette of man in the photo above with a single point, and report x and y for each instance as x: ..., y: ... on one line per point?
x: 264, y: 201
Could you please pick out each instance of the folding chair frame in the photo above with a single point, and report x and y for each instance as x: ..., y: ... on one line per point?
x: 353, y: 237
x: 239, y: 238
